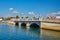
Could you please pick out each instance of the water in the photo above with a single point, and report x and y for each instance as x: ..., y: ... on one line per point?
x: 50, y: 35
x: 11, y: 32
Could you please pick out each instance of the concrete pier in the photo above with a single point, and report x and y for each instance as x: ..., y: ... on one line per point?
x: 28, y: 25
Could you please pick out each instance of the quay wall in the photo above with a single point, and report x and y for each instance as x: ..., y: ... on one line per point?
x: 50, y: 26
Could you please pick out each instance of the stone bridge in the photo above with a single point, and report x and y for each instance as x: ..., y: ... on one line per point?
x: 28, y: 23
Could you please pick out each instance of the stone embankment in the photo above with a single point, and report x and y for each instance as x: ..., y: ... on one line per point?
x: 51, y: 24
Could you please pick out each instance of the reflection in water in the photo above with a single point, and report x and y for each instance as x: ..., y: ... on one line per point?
x: 27, y: 28
x: 10, y: 32
x: 33, y: 31
x: 50, y: 35
x: 18, y: 33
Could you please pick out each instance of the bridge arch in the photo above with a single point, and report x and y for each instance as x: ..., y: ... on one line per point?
x: 23, y: 24
x: 34, y: 25
x: 17, y: 24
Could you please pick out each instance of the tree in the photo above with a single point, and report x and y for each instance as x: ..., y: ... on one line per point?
x: 17, y: 16
x: 22, y: 17
x: 34, y: 17
x: 27, y: 17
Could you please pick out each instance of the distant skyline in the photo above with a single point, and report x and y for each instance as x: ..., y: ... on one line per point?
x: 29, y: 7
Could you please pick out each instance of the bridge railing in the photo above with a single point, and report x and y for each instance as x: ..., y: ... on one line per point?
x: 29, y: 20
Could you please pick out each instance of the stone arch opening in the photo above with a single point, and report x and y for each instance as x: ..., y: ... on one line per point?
x: 23, y: 24
x: 17, y: 24
x: 34, y: 25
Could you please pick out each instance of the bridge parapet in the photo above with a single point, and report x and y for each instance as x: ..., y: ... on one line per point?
x: 28, y: 22
x: 29, y: 19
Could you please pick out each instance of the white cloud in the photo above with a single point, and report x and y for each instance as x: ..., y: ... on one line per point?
x: 58, y: 12
x: 15, y: 12
x: 11, y: 9
x: 54, y: 13
x: 22, y: 13
x: 32, y: 13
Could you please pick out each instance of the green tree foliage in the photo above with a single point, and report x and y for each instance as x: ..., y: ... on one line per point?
x: 17, y: 16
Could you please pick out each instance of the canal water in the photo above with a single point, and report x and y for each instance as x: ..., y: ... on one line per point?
x: 11, y: 32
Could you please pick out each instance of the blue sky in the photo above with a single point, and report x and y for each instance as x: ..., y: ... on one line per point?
x: 28, y: 7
